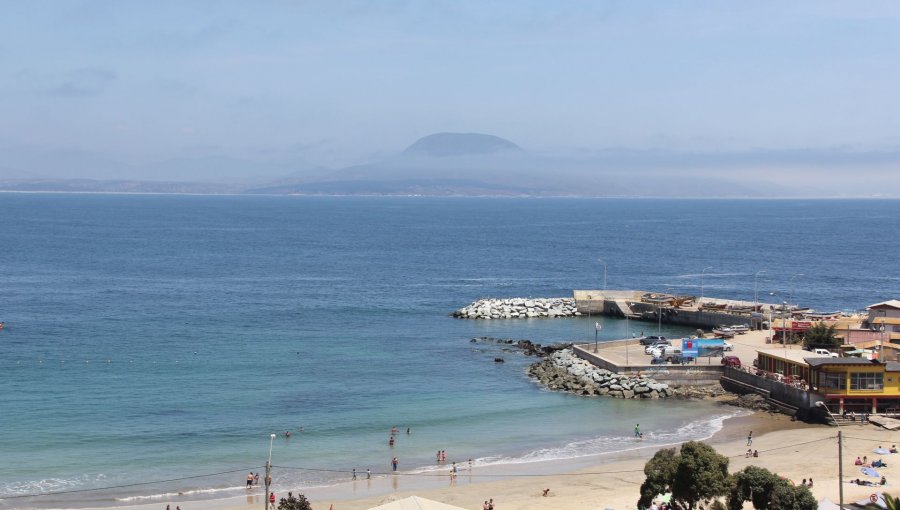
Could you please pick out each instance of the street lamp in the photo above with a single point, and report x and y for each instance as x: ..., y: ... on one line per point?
x: 784, y: 326
x: 604, y: 275
x: 268, y: 472
x: 597, y: 328
x: 881, y: 347
x: 756, y: 288
x: 791, y: 296
x: 702, y: 274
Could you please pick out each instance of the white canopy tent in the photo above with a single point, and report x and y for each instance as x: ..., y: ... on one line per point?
x: 415, y: 503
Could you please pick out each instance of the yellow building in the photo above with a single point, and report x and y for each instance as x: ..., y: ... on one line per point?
x: 845, y: 384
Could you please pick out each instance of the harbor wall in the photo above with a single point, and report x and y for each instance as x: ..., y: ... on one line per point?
x: 675, y: 375
x: 787, y: 398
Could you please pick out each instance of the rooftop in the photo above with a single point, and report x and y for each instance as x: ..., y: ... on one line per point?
x: 893, y: 303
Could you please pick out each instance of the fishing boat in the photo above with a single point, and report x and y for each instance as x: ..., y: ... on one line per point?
x: 724, y: 332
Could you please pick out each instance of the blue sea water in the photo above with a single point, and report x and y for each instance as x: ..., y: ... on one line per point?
x: 157, y: 338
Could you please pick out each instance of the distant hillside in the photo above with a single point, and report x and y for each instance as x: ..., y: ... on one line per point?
x: 460, y: 144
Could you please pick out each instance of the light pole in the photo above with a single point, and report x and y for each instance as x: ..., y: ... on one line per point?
x: 604, y: 276
x: 791, y: 297
x: 881, y: 347
x: 268, y: 472
x: 784, y: 326
x: 756, y: 288
x: 597, y: 328
x: 702, y: 274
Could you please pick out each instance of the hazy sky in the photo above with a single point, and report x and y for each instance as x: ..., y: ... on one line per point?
x: 340, y: 82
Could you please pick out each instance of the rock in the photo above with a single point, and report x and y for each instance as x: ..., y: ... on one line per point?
x: 561, y: 369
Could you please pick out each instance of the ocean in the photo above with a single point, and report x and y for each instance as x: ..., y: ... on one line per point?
x: 154, y: 342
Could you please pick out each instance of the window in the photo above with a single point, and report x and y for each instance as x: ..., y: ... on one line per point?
x: 866, y: 381
x: 834, y: 381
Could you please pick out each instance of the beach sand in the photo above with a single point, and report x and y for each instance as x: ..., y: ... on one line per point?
x: 794, y: 450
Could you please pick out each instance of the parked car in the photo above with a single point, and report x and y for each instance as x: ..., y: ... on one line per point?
x: 728, y: 347
x: 680, y: 359
x: 731, y: 361
x: 826, y: 353
x: 658, y: 361
x: 652, y: 339
x: 657, y: 346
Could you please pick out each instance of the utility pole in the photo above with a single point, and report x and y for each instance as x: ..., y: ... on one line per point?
x: 840, y: 471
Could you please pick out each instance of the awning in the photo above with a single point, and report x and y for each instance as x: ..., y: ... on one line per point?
x: 885, y: 320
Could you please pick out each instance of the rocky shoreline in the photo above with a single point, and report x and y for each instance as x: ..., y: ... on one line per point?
x: 564, y: 371
x: 519, y: 308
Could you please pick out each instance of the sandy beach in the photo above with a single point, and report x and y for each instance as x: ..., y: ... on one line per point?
x: 794, y: 450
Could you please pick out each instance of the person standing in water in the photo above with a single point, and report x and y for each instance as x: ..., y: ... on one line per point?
x: 637, y: 430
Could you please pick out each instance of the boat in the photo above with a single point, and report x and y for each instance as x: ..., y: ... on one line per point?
x: 724, y: 332
x: 741, y: 329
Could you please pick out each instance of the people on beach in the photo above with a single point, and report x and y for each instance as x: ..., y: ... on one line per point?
x: 287, y: 433
x: 883, y: 480
x: 483, y: 507
x: 272, y: 500
x: 637, y: 430
x: 391, y: 442
x: 546, y: 492
x: 491, y: 504
x: 453, y: 469
x: 749, y: 453
x: 394, y: 464
x: 810, y: 484
x: 470, y: 465
x: 750, y: 438
x: 368, y: 474
x: 443, y: 456
x: 256, y: 478
x: 354, y: 473
x: 893, y: 448
x: 170, y: 508
x: 250, y: 479
x: 858, y: 462
x: 756, y: 453
x: 407, y: 431
x: 394, y: 430
x: 438, y: 456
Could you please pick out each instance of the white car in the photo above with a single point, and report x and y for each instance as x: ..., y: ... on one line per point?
x: 728, y: 346
x: 656, y: 347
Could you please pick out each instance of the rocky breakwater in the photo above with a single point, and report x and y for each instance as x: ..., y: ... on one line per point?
x: 518, y: 308
x: 564, y: 371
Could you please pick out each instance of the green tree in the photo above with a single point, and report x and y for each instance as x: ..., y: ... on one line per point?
x: 701, y: 475
x: 294, y: 503
x: 767, y: 491
x: 694, y: 474
x: 821, y: 335
x: 660, y: 471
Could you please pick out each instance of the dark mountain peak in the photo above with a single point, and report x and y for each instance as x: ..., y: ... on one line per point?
x: 460, y: 144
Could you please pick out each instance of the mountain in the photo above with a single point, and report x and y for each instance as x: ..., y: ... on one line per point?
x: 460, y: 144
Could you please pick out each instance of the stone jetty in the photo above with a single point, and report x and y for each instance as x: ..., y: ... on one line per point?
x: 518, y: 308
x: 564, y: 371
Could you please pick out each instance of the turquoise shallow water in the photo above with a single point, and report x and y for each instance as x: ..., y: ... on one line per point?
x: 161, y: 337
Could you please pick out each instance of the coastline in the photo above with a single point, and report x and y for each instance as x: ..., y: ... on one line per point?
x: 611, y: 480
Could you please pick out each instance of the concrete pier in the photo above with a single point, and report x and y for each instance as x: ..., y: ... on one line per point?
x: 675, y: 309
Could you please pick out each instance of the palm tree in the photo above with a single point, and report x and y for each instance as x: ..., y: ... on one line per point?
x: 891, y: 502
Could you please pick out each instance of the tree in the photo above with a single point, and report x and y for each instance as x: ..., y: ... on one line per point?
x: 702, y: 474
x: 696, y: 473
x: 768, y: 491
x: 660, y: 471
x: 294, y: 503
x: 821, y: 335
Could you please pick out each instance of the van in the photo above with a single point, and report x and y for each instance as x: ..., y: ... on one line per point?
x: 825, y: 353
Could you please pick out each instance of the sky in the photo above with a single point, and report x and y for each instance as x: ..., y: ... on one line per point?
x: 292, y: 84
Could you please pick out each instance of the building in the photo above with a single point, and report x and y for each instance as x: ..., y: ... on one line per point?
x: 844, y: 384
x: 884, y: 318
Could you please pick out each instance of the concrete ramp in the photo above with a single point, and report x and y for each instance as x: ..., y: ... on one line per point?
x: 884, y: 421
x: 626, y: 310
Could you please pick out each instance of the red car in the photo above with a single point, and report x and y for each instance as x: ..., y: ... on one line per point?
x: 731, y: 361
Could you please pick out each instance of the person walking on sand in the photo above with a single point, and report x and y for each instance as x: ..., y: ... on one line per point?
x: 272, y: 500
x: 443, y: 456
x: 394, y: 463
x: 250, y: 479
x: 750, y: 438
x: 368, y: 474
x: 256, y: 478
x: 637, y: 430
x: 354, y: 473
